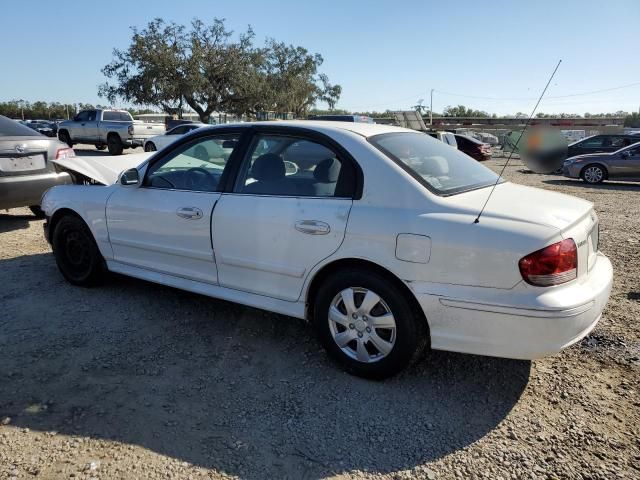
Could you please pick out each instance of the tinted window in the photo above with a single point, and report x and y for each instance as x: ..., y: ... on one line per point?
x: 177, y: 131
x: 286, y: 166
x: 111, y: 116
x: 11, y: 128
x: 594, y: 142
x: 82, y: 116
x: 440, y: 168
x: 196, y: 166
x: 125, y: 117
x: 91, y: 116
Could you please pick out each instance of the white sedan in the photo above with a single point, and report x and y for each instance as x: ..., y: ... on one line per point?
x: 160, y: 141
x: 367, y: 231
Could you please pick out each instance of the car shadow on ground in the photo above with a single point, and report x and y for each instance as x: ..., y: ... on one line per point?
x: 607, y: 185
x: 9, y: 223
x: 223, y: 386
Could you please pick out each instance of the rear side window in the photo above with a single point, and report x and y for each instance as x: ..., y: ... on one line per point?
x: 437, y: 166
x: 11, y: 128
x: 287, y: 166
x: 110, y: 116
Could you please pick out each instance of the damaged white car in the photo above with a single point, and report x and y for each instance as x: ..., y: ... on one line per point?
x: 367, y: 231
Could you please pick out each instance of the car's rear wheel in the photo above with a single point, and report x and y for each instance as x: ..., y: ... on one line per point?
x: 150, y: 147
x: 367, y: 324
x: 114, y: 144
x: 37, y: 211
x: 593, y: 174
x: 76, y: 252
x: 64, y: 137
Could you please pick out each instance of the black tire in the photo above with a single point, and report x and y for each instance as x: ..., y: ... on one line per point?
x: 76, y: 252
x: 64, y: 137
x: 150, y: 147
x: 101, y: 146
x: 411, y: 330
x: 114, y: 144
x: 37, y: 211
x: 593, y: 174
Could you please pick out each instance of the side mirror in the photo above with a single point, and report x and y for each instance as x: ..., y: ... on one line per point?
x: 130, y: 177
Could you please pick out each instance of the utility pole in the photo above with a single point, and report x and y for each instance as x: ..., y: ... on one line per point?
x: 431, y: 109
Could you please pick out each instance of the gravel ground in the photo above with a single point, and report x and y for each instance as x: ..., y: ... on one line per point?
x: 136, y: 380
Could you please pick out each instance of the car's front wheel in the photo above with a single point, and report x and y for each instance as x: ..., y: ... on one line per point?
x: 593, y: 174
x: 150, y: 147
x: 76, y: 252
x: 367, y: 323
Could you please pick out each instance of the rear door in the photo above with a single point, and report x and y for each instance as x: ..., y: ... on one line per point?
x: 625, y: 164
x: 288, y: 211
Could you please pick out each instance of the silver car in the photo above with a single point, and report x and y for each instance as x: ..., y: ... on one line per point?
x: 597, y: 167
x: 26, y: 171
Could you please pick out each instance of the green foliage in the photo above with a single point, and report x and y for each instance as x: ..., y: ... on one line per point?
x: 210, y: 70
x: 462, y: 111
x: 632, y: 120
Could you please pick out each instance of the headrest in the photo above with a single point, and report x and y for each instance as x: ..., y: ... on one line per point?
x: 327, y: 171
x: 268, y: 167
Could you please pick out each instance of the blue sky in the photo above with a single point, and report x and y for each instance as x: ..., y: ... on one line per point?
x: 384, y: 54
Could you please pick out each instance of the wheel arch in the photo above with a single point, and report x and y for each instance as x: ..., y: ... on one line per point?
x: 57, y: 216
x: 358, y: 263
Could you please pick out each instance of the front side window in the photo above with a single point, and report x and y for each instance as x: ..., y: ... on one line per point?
x: 442, y: 169
x: 82, y: 116
x: 288, y: 166
x: 177, y: 131
x: 197, y: 166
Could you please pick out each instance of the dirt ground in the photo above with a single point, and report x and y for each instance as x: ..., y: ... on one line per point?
x: 136, y: 380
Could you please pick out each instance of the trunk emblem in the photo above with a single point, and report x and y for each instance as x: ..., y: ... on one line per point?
x: 21, y: 148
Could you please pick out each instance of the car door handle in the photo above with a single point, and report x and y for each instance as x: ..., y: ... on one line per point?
x: 190, y: 213
x: 312, y: 227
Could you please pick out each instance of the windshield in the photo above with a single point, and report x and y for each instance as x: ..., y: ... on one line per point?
x: 441, y: 168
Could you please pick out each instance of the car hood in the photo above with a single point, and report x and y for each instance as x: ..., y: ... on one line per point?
x: 103, y: 169
x: 527, y: 205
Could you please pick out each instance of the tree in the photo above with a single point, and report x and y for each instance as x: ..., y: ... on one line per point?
x: 632, y: 120
x: 209, y: 69
x: 462, y: 111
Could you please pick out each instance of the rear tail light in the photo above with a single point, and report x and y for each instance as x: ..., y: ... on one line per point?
x: 65, y: 153
x: 553, y: 265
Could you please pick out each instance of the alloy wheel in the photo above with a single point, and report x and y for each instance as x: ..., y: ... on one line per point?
x: 593, y: 174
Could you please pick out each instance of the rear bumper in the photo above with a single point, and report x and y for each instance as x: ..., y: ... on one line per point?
x: 525, y: 322
x: 27, y: 190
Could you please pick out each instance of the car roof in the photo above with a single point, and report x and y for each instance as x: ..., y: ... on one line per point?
x: 362, y: 129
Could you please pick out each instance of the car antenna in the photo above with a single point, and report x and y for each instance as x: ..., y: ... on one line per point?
x: 533, y: 112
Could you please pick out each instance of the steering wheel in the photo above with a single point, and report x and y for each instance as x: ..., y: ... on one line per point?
x: 198, y: 178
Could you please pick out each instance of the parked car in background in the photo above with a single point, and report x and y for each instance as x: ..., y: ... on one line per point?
x: 49, y: 129
x: 474, y: 148
x: 26, y: 168
x: 370, y: 235
x: 600, y: 144
x: 446, y: 137
x: 342, y: 118
x: 597, y: 167
x: 114, y: 129
x: 160, y: 141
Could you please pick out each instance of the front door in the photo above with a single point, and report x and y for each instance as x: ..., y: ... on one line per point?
x: 164, y: 225
x: 287, y: 212
x: 625, y: 164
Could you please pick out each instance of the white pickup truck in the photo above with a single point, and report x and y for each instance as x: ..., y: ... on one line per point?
x: 113, y: 129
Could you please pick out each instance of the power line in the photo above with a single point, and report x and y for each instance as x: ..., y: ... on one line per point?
x: 548, y: 98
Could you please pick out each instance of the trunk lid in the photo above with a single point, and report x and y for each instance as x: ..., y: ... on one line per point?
x: 571, y: 216
x: 22, y: 155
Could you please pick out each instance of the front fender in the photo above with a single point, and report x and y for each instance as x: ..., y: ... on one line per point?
x: 86, y: 201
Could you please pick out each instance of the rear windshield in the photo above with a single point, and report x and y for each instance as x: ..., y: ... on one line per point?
x: 11, y: 128
x: 441, y: 168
